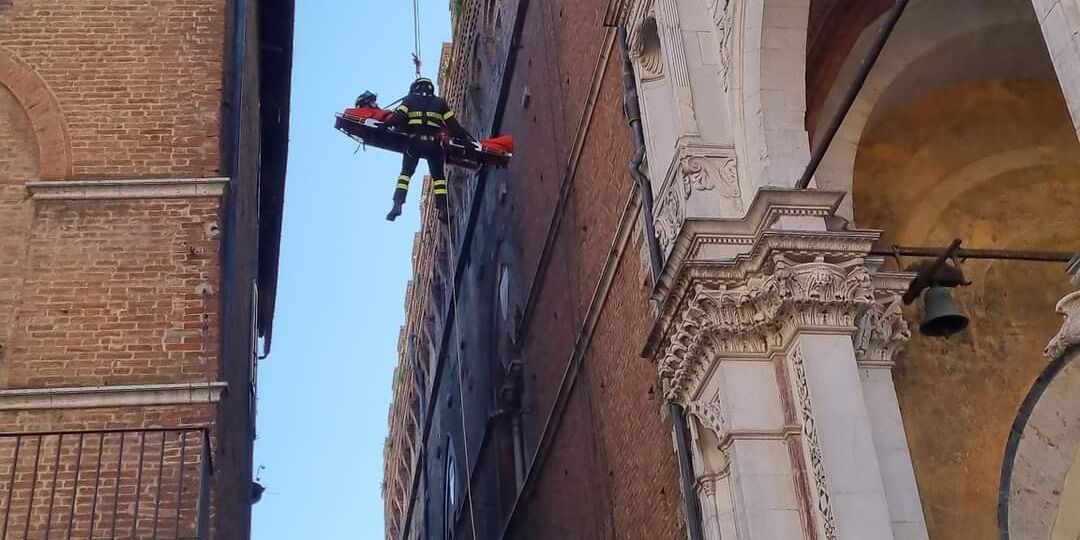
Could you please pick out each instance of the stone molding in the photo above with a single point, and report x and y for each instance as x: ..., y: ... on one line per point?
x: 140, y: 188
x: 85, y: 397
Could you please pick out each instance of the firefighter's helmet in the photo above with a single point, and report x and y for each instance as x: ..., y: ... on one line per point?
x: 422, y: 86
x: 367, y: 99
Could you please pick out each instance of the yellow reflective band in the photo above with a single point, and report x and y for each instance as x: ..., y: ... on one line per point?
x: 416, y: 122
x: 416, y: 114
x: 448, y: 115
x: 440, y: 191
x: 403, y: 108
x: 404, y: 177
x: 438, y: 182
x: 434, y: 115
x: 403, y: 185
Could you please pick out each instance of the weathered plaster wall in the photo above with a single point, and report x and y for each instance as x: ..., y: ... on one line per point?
x: 995, y: 164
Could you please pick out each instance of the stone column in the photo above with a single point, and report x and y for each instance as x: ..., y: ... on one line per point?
x: 757, y: 339
x: 1060, y: 21
x: 882, y: 332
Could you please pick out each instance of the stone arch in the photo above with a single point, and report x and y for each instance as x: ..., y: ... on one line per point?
x: 44, y: 112
x: 1060, y: 20
x: 770, y: 90
x: 930, y: 36
x: 961, y: 183
x: 1039, y: 472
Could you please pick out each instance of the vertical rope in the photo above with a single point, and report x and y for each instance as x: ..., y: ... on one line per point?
x: 416, y: 36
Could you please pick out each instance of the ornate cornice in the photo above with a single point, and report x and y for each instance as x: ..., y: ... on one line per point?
x: 760, y: 316
x: 744, y: 287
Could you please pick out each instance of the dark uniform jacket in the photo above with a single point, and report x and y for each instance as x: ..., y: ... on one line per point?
x: 421, y: 114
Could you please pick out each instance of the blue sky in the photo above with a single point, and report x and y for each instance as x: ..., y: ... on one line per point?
x: 325, y: 390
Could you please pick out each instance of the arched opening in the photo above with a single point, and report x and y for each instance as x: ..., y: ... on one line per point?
x: 19, y: 163
x: 962, y: 131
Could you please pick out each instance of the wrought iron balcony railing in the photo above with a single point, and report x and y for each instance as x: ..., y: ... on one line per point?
x: 145, y: 484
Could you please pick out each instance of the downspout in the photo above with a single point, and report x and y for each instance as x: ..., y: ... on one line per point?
x: 865, y: 67
x: 632, y: 109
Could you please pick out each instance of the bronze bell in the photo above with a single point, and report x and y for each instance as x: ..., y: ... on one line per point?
x: 942, y: 316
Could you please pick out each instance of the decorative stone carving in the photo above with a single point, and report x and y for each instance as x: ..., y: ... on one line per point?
x: 760, y: 315
x: 711, y: 415
x: 817, y: 459
x: 882, y: 331
x: 646, y: 50
x: 670, y: 215
x: 723, y: 16
x: 1069, y: 335
x: 729, y: 183
x: 696, y: 175
x: 699, y: 170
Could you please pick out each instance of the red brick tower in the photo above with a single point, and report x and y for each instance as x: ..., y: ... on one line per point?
x: 142, y: 158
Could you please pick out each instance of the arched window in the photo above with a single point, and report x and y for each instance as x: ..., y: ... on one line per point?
x: 450, y: 494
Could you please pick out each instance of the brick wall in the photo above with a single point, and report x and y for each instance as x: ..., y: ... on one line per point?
x: 127, y: 291
x: 139, y: 82
x: 610, y: 472
x: 117, y: 292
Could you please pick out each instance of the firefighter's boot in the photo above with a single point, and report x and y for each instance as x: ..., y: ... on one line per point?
x: 400, y: 192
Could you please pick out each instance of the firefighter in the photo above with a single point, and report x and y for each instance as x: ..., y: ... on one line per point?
x: 423, y: 116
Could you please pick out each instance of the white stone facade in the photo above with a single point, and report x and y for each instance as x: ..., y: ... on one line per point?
x: 776, y: 333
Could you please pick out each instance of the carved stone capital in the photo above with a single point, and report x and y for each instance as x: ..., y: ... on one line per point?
x: 760, y: 315
x: 773, y: 281
x: 881, y: 332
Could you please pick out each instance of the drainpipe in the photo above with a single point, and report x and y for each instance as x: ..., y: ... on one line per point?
x: 867, y: 65
x: 632, y: 109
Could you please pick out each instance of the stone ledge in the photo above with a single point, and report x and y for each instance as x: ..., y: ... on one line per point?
x: 140, y: 188
x: 111, y: 396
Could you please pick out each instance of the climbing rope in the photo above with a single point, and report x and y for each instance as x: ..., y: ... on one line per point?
x: 416, y: 37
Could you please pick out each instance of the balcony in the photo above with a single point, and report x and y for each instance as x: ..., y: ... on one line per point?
x: 146, y: 484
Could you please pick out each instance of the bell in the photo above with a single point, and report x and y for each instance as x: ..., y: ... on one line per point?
x: 942, y: 316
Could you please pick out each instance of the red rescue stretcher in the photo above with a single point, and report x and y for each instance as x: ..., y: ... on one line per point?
x: 362, y: 124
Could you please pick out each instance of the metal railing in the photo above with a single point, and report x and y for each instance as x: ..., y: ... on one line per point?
x: 138, y: 484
